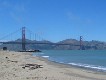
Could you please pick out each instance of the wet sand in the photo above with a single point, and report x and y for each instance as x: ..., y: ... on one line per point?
x: 12, y: 63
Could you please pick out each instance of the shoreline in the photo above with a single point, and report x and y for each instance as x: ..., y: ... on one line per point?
x: 70, y: 65
x: 62, y: 65
x: 12, y: 63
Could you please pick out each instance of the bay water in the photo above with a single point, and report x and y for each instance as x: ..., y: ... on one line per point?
x: 90, y: 59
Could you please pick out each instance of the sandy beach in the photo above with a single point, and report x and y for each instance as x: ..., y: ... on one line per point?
x: 23, y: 66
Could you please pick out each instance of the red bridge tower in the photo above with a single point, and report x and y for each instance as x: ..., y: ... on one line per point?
x: 23, y: 38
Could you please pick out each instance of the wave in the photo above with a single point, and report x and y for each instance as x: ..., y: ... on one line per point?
x: 87, y: 66
x: 62, y: 59
x: 45, y: 56
x: 99, y: 68
x: 41, y: 53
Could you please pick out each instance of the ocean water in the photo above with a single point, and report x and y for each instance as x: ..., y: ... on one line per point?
x: 90, y: 59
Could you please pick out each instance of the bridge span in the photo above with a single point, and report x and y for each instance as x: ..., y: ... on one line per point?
x: 39, y: 43
x: 24, y: 42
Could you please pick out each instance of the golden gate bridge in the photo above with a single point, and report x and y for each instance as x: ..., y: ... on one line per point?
x: 24, y: 42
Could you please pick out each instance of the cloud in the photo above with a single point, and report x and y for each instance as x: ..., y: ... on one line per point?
x: 15, y: 10
x: 16, y: 6
x: 88, y: 21
x: 20, y: 8
x: 18, y: 13
x: 78, y: 19
x: 16, y: 18
x: 72, y: 16
x: 4, y: 4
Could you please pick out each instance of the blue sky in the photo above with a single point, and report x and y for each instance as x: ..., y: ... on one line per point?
x: 55, y: 20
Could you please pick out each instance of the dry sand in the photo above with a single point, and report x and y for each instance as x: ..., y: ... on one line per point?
x: 11, y: 64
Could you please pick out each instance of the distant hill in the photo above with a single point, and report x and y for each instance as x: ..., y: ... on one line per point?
x: 88, y: 45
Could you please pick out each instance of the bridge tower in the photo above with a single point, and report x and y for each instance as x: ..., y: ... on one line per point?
x: 23, y: 38
x: 81, y: 45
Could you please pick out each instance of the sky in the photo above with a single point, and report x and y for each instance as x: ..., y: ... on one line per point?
x: 55, y: 20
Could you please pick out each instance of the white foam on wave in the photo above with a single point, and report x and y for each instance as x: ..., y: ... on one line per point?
x: 89, y: 66
x: 41, y: 53
x: 45, y: 56
x: 37, y: 54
